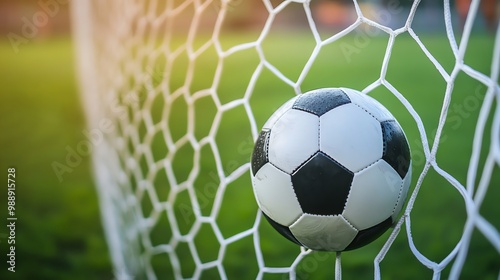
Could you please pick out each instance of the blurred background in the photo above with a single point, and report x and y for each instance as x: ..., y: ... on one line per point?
x: 58, y: 231
x: 59, y: 234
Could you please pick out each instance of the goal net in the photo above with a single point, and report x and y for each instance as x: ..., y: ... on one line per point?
x: 175, y: 93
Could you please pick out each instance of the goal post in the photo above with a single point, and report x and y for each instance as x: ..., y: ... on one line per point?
x: 180, y: 89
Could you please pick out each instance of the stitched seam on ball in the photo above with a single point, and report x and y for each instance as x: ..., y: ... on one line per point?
x: 384, y: 143
x: 383, y: 138
x: 267, y: 140
x: 399, y: 197
x: 369, y: 165
x: 348, y: 170
x: 303, y: 163
x: 279, y: 169
x: 319, y: 134
x: 279, y: 118
x: 304, y: 110
x: 293, y: 189
x: 336, y: 161
x: 366, y: 111
x: 350, y: 189
x: 349, y: 223
x: 291, y: 175
x: 347, y: 198
x: 336, y: 215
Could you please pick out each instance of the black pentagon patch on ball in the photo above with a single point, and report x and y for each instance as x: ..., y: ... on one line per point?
x: 368, y: 235
x: 321, y: 101
x: 259, y: 155
x: 322, y: 185
x: 396, y: 149
x: 283, y: 230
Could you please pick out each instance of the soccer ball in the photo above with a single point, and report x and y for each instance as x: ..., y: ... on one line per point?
x: 331, y: 169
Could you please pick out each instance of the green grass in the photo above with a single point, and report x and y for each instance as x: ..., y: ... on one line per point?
x: 60, y: 234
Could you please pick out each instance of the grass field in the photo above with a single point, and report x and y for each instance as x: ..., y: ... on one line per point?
x: 59, y: 233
